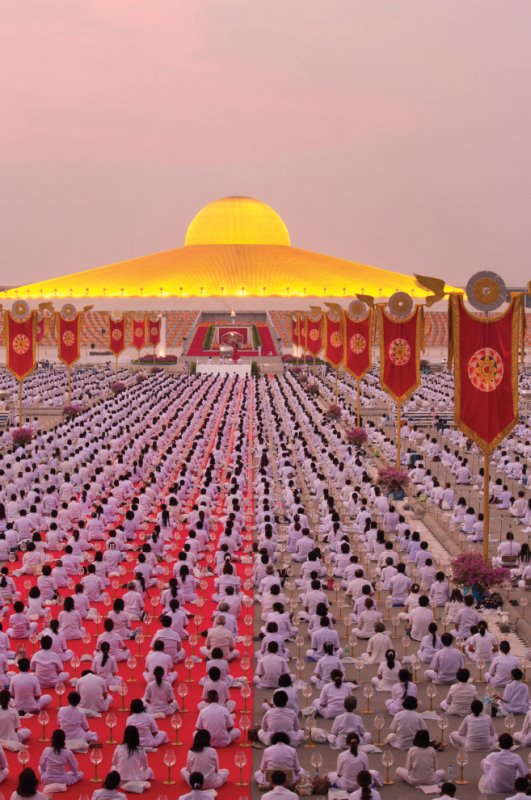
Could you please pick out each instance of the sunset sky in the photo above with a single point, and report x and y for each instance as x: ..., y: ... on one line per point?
x: 391, y: 132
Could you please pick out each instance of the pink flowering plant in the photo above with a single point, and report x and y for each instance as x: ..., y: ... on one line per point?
x: 21, y: 436
x: 469, y: 569
x: 357, y: 436
x: 313, y: 389
x: 392, y: 480
x: 72, y: 411
x: 117, y: 387
x: 333, y: 411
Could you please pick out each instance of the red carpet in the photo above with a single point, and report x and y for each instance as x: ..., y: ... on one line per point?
x: 196, y: 345
x: 203, y: 613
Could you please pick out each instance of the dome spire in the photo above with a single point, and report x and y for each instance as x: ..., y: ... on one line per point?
x: 237, y: 220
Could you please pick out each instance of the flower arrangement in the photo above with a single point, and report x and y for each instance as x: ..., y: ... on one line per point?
x: 333, y: 411
x: 303, y: 377
x: 117, y: 387
x: 150, y: 358
x: 313, y: 389
x: 357, y: 436
x: 470, y: 570
x: 287, y: 358
x: 72, y: 411
x: 21, y: 436
x: 140, y: 378
x: 296, y: 371
x: 393, y: 481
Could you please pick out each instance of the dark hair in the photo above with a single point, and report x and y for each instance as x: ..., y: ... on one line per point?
x: 422, y: 738
x: 131, y: 739
x: 58, y: 740
x: 112, y: 780
x: 364, y: 779
x: 197, y: 780
x: 27, y: 783
x: 200, y: 741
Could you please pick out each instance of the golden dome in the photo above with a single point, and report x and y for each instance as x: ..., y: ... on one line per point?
x: 237, y: 220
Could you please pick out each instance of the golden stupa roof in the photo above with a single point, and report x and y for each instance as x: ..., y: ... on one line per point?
x: 235, y: 246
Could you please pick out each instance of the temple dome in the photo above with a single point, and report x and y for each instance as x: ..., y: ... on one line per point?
x: 237, y: 220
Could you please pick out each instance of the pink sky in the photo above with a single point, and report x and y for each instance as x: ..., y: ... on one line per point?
x: 391, y: 132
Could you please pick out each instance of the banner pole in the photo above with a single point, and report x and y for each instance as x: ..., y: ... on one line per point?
x: 486, y: 505
x: 116, y: 367
x: 358, y: 405
x: 69, y: 384
x: 314, y: 367
x: 20, y: 420
x: 398, y: 434
x: 336, y: 390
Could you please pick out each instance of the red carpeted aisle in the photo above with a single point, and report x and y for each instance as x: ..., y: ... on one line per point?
x: 189, y: 673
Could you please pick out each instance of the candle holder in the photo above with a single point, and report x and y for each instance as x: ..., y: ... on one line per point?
x: 75, y: 662
x: 131, y: 663
x: 509, y: 723
x: 192, y: 641
x: 198, y: 619
x: 388, y: 606
x: 44, y: 719
x: 368, y: 692
x: 395, y: 622
x: 23, y: 756
x: 481, y: 667
x: 316, y: 760
x: 359, y: 663
x: 299, y: 641
x: 97, y: 622
x: 96, y: 756
x: 140, y: 639
x: 245, y: 692
x: 431, y: 691
x: 245, y: 725
x: 176, y: 723
x: 182, y: 691
x: 379, y: 724
x: 523, y: 605
x: 245, y: 663
x: 405, y: 644
x: 110, y: 721
x: 240, y: 760
x: 189, y: 663
x: 462, y: 760
x: 443, y: 724
x: 60, y: 689
x: 299, y: 663
x: 388, y: 760
x: 169, y: 759
x: 415, y: 664
x: 308, y: 726
x: 122, y: 691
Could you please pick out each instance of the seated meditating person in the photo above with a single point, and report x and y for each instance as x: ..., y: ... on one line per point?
x: 217, y: 720
x: 476, y: 731
x: 130, y: 761
x: 280, y: 718
x: 203, y: 758
x: 279, y: 755
x: 57, y: 764
x: 421, y: 763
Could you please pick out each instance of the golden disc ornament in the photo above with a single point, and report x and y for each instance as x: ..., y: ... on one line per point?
x: 68, y: 312
x: 486, y: 291
x: 357, y: 311
x: 20, y: 310
x: 400, y: 305
x: 116, y: 316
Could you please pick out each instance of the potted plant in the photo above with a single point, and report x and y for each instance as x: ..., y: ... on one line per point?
x: 357, y: 436
x: 21, y: 436
x: 117, y: 387
x: 333, y: 411
x: 72, y: 410
x: 393, y: 482
x: 313, y: 389
x: 475, y: 575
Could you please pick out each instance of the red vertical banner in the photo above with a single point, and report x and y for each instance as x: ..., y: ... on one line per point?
x: 295, y: 337
x: 358, y: 328
x: 302, y: 330
x: 154, y: 325
x: 333, y: 337
x: 400, y: 348
x: 20, y: 339
x: 139, y: 325
x: 314, y: 332
x: 116, y: 334
x: 485, y: 356
x: 68, y: 327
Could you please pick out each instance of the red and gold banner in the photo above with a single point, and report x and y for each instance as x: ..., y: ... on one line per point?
x: 302, y: 331
x: 400, y: 347
x: 485, y: 356
x: 41, y: 329
x: 138, y: 337
x: 314, y: 332
x: 153, y: 337
x: 68, y: 338
x: 117, y: 335
x: 358, y: 344
x: 295, y: 330
x: 20, y: 339
x: 333, y: 337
